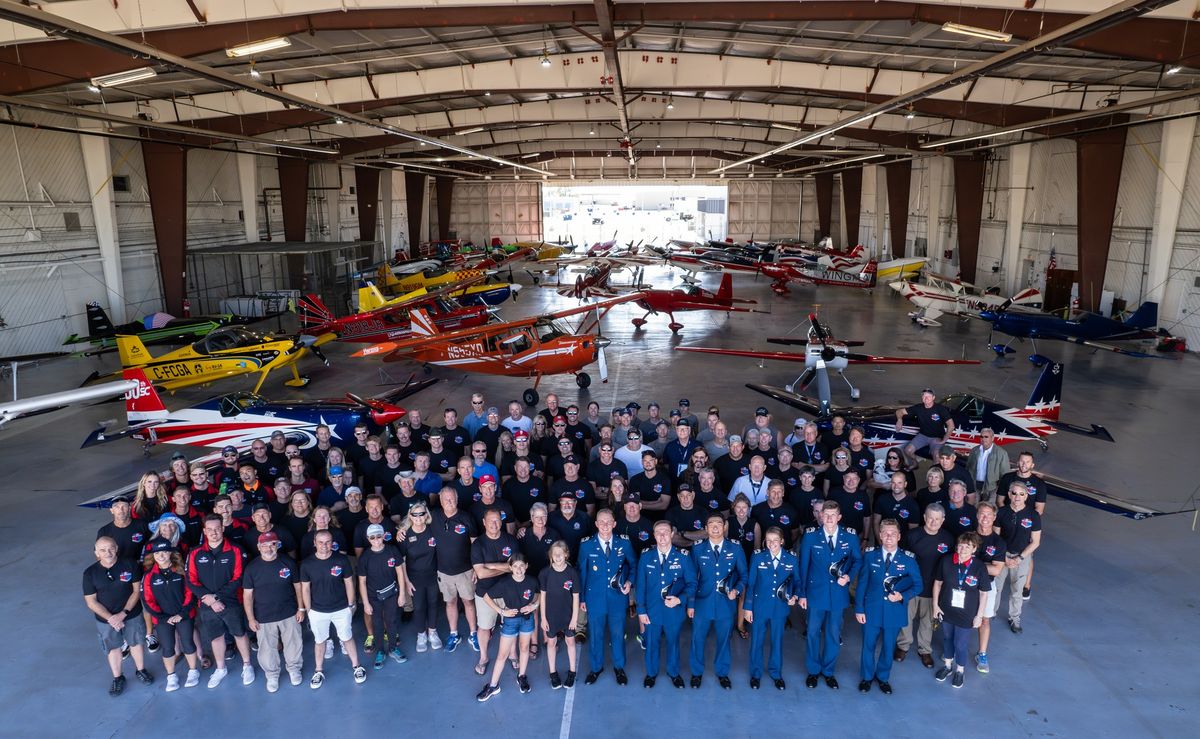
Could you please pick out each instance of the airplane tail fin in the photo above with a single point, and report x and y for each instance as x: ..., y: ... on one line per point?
x: 1046, y: 399
x: 857, y: 251
x: 870, y: 273
x: 312, y: 311
x: 142, y: 403
x: 1028, y: 296
x: 1146, y: 316
x: 422, y: 324
x: 725, y: 292
x: 99, y: 324
x: 133, y: 351
x: 369, y: 298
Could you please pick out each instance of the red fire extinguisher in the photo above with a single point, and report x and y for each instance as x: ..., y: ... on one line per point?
x: 187, y: 308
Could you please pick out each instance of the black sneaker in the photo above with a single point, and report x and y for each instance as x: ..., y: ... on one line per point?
x: 958, y: 679
x: 943, y: 673
x: 124, y: 651
x: 1024, y: 593
x: 117, y: 687
x: 144, y: 677
x: 523, y: 683
x: 1015, y: 626
x: 487, y: 692
x: 570, y: 681
x: 555, y: 682
x: 151, y: 643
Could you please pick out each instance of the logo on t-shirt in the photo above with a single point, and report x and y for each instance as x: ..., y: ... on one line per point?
x: 126, y: 576
x: 964, y: 521
x: 858, y: 505
x: 864, y: 462
x: 391, y: 561
x: 460, y: 529
x: 971, y: 580
x: 336, y: 570
x: 432, y: 542
x: 526, y: 594
x: 506, y: 551
x: 936, y: 416
x: 1026, y: 523
x: 387, y: 536
x: 696, y: 524
x: 785, y: 519
x: 568, y: 584
x: 533, y: 492
x: 643, y: 535
x: 336, y: 547
x: 136, y: 538
x: 902, y: 513
x: 990, y: 551
x: 285, y: 572
x: 657, y: 488
x: 942, y: 548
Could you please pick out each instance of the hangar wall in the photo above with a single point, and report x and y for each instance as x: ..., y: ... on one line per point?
x: 510, y: 211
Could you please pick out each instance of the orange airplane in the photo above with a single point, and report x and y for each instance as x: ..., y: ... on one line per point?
x: 527, y: 347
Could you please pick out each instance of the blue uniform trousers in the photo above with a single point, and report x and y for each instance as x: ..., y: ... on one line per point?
x: 824, y: 633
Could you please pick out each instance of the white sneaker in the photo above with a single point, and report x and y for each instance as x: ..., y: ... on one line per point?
x: 318, y: 679
x: 247, y: 674
x: 272, y: 684
x: 172, y: 683
x: 296, y: 678
x: 193, y: 679
x: 422, y: 642
x: 342, y: 644
x: 329, y: 649
x: 435, y: 641
x: 215, y: 679
x: 360, y: 674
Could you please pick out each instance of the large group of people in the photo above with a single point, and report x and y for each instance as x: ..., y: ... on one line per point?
x: 538, y: 533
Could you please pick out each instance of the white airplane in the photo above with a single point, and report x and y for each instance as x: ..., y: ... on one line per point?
x: 940, y: 294
x: 43, y: 403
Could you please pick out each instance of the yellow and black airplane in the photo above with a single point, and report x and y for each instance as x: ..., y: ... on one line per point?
x: 225, y: 352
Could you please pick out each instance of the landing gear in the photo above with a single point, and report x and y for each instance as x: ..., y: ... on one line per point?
x: 675, y: 326
x: 530, y: 397
x: 780, y: 288
x: 300, y: 381
x: 583, y: 379
x: 639, y: 322
x: 428, y: 369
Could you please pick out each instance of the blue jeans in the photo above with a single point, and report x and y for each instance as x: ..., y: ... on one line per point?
x: 517, y: 625
x: 956, y: 641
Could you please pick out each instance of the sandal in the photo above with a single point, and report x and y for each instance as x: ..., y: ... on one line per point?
x: 481, y: 668
x: 533, y: 651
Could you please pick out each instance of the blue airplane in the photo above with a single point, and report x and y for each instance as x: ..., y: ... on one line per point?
x: 1090, y: 329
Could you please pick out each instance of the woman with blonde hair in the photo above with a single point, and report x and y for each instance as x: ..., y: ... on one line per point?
x: 420, y: 573
x: 172, y: 608
x: 150, y: 500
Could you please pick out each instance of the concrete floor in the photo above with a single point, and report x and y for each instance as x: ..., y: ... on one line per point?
x: 1108, y: 648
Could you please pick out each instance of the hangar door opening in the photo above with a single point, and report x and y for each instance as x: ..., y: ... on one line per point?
x: 652, y: 214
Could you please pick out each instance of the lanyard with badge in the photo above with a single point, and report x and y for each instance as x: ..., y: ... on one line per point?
x: 958, y: 596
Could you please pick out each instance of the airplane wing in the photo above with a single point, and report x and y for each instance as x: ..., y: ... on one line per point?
x: 1122, y: 350
x: 853, y: 358
x: 777, y: 356
x: 1101, y: 500
x: 45, y: 403
x: 422, y: 295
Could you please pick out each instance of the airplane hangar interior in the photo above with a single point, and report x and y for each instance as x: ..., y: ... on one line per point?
x: 600, y: 368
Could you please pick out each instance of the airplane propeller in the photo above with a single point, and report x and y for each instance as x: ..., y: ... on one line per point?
x: 310, y: 342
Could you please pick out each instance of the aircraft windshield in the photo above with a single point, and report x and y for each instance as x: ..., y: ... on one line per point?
x: 224, y: 339
x: 553, y: 329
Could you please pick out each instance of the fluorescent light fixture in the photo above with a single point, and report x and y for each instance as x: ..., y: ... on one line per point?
x: 987, y: 135
x: 529, y: 156
x: 93, y: 88
x: 910, y: 115
x: 671, y: 104
x: 487, y: 94
x: 1175, y: 69
x: 545, y: 60
x: 591, y: 132
x: 121, y: 78
x: 983, y: 33
x: 836, y: 162
x: 468, y: 131
x: 786, y: 127
x: 259, y: 47
x: 339, y: 121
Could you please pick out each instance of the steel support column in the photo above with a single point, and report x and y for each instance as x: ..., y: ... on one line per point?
x: 366, y: 191
x: 97, y: 168
x: 852, y: 203
x: 166, y: 181
x: 1174, y: 155
x: 899, y: 183
x: 445, y: 195
x: 824, y: 204
x: 1019, y: 157
x: 293, y: 192
x: 414, y: 195
x: 1098, y: 158
x: 968, y: 211
x: 247, y: 166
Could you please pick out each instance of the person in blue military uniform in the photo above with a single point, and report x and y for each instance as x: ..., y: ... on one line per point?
x: 770, y: 590
x: 606, y: 568
x: 666, y: 580
x: 888, y: 578
x: 824, y: 592
x: 721, y: 576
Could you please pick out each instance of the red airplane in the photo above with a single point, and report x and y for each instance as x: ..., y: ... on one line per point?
x: 782, y: 274
x: 691, y: 297
x: 390, y: 322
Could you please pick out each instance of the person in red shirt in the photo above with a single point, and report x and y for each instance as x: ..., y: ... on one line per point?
x: 172, y: 608
x: 215, y: 579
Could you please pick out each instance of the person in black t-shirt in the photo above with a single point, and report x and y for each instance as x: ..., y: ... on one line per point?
x: 129, y: 533
x: 993, y: 553
x: 959, y: 598
x: 327, y: 586
x: 1032, y: 481
x: 559, y: 611
x: 419, y: 548
x: 442, y: 461
x: 935, y: 489
x: 1021, y: 526
x: 489, y: 502
x: 465, y: 485
x: 934, y: 426
x: 652, y: 486
x: 686, y: 518
x: 523, y: 490
x: 453, y: 531
x: 570, y: 483
x: 271, y: 596
x: 536, y: 538
x: 775, y: 512
x: 960, y: 515
x: 455, y: 437
x: 635, y: 527
x: 110, y: 590
x: 896, y: 504
x: 382, y: 589
x: 515, y: 597
x: 807, y: 497
x: 489, y: 561
x: 928, y: 544
x: 854, y: 504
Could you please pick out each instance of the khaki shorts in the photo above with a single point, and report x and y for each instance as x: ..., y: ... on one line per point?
x: 456, y: 586
x: 485, y: 615
x: 989, y: 608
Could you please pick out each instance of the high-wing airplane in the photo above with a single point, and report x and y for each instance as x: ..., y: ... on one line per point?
x: 782, y: 274
x: 1090, y: 329
x: 225, y: 352
x: 240, y: 418
x: 691, y: 297
x: 387, y: 323
x: 1037, y: 420
x: 821, y: 350
x: 938, y: 295
x: 527, y: 347
x: 154, y: 329
x: 24, y: 407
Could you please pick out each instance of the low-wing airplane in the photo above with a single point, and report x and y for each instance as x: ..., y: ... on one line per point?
x: 1037, y: 420
x: 939, y: 295
x: 691, y: 297
x: 240, y: 418
x: 388, y: 323
x: 225, y: 352
x: 34, y: 405
x: 782, y: 274
x: 821, y: 350
x: 370, y: 298
x: 154, y: 329
x: 527, y: 347
x: 1090, y: 329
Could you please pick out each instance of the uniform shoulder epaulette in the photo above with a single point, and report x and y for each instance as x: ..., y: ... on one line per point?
x: 810, y: 529
x: 623, y: 536
x: 850, y: 530
x: 586, y: 538
x: 869, y: 549
x: 910, y: 554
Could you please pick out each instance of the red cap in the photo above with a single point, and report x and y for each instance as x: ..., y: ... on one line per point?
x: 484, y: 479
x: 521, y: 434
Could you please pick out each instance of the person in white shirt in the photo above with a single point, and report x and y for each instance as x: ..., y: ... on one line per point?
x: 517, y: 421
x: 754, y: 484
x: 631, y: 452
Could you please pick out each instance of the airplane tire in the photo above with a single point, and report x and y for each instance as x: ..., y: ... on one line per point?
x: 639, y: 322
x: 530, y: 397
x: 675, y: 326
x: 583, y: 379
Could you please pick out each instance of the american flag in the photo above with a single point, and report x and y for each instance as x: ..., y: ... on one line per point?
x: 1053, y: 263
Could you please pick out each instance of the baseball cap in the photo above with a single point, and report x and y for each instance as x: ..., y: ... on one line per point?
x: 487, y: 480
x: 521, y: 435
x: 928, y: 390
x: 633, y: 405
x: 375, y: 530
x: 685, y: 401
x: 947, y: 451
x: 570, y: 459
x: 761, y: 411
x: 335, y: 470
x: 229, y: 450
x: 352, y: 489
x: 801, y: 423
x: 654, y: 404
x: 436, y: 433
x: 493, y: 410
x: 161, y: 545
x: 684, y: 486
x: 260, y: 507
x: 675, y: 413
x: 268, y: 537
x: 631, y: 498
x: 178, y: 455
x: 566, y: 494
x: 559, y: 419
x: 626, y: 411
x: 736, y: 439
